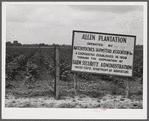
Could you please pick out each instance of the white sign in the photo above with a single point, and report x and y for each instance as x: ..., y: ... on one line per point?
x: 103, y: 53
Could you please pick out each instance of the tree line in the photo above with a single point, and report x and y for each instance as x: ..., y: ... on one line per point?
x: 17, y: 44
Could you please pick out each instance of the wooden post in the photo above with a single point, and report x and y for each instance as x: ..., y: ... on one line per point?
x: 57, y: 72
x: 127, y: 88
x: 115, y: 99
x: 75, y: 83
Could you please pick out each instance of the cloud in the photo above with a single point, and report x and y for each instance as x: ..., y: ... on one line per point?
x: 54, y: 23
x: 107, y: 8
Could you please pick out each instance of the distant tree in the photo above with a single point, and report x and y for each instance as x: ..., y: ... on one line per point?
x: 15, y: 43
x: 41, y: 44
x: 19, y: 44
x: 9, y: 43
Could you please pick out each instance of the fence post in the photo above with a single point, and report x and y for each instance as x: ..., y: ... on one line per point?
x: 115, y: 99
x: 57, y: 72
x: 127, y: 88
x: 75, y: 83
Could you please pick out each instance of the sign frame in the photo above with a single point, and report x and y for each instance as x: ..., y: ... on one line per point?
x: 73, y: 33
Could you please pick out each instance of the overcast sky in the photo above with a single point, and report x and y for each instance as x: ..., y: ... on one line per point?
x: 37, y: 23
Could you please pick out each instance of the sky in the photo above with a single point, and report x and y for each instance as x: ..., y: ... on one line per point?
x: 46, y: 23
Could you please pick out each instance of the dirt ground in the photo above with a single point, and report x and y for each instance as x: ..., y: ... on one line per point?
x: 79, y: 101
x: 91, y: 94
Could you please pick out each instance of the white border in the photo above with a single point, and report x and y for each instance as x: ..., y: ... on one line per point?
x: 47, y: 113
x: 78, y: 3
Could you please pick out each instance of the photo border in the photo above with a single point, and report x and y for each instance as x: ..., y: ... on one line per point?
x: 144, y: 52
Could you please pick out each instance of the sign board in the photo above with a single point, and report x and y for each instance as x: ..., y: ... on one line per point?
x: 103, y: 53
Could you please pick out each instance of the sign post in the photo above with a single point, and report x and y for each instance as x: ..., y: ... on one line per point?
x: 57, y: 72
x: 103, y: 53
x: 75, y: 83
x: 127, y: 87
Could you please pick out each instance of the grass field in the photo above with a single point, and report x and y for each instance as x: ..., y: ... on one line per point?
x: 94, y: 91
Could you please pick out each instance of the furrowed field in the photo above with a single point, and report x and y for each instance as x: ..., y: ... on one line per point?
x: 30, y: 82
